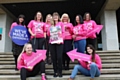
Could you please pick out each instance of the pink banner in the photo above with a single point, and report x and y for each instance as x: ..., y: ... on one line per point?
x: 79, y: 56
x: 36, y: 58
x: 96, y: 30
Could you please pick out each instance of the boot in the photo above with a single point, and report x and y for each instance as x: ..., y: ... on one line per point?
x: 70, y: 79
x: 91, y: 79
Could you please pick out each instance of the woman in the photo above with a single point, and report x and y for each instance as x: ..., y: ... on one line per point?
x: 79, y: 34
x: 37, y: 30
x: 16, y: 49
x: 47, y: 25
x: 91, y: 68
x: 90, y: 24
x: 68, y: 46
x: 56, y: 33
x: 28, y: 71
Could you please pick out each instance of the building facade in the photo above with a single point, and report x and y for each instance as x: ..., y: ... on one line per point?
x: 107, y: 15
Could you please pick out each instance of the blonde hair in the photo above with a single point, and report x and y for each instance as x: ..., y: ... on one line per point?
x: 23, y: 50
x: 65, y: 15
x: 48, y: 16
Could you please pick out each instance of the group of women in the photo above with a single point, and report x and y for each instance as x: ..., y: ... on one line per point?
x: 72, y: 36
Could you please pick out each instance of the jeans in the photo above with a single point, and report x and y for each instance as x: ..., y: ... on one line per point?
x: 80, y: 45
x: 93, y: 72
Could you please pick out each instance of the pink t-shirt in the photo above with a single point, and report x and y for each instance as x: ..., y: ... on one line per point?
x: 97, y: 61
x: 90, y: 25
x: 80, y: 32
x: 12, y: 26
x: 68, y: 31
x: 47, y: 26
x: 22, y: 62
x: 61, y: 34
x: 37, y: 28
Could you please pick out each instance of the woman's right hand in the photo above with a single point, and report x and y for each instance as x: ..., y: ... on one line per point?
x: 74, y: 36
x: 34, y: 35
x: 30, y: 68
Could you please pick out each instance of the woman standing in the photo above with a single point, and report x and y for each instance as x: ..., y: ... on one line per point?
x: 37, y: 31
x: 56, y: 33
x: 68, y: 46
x: 30, y: 71
x: 47, y: 26
x: 91, y: 68
x: 16, y: 49
x: 79, y: 34
x: 90, y: 24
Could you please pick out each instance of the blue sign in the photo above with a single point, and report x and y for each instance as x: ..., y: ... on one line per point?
x: 19, y: 35
x: 1, y: 30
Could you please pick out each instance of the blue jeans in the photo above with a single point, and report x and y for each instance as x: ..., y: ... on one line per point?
x: 93, y: 72
x: 80, y: 45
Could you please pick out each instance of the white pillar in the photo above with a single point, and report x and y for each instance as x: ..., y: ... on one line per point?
x: 3, y: 26
x: 109, y: 32
x: 5, y: 23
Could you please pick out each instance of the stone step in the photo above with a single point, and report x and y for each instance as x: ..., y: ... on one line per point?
x: 67, y: 72
x: 101, y: 54
x: 7, y: 67
x: 78, y: 77
x: 103, y: 61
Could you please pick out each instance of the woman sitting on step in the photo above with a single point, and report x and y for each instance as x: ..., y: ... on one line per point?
x: 29, y: 71
x: 92, y: 68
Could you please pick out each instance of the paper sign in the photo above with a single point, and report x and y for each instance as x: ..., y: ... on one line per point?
x: 20, y: 35
x: 76, y: 55
x: 56, y: 35
x: 36, y: 58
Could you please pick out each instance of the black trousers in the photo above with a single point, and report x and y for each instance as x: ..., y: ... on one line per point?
x: 68, y: 46
x: 15, y: 58
x: 91, y: 42
x: 38, y: 43
x: 47, y: 47
x: 56, y: 51
x: 16, y: 49
x: 40, y: 67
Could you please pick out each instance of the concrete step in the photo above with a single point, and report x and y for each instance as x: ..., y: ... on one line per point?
x: 103, y: 61
x: 104, y: 66
x: 65, y: 72
x: 78, y: 77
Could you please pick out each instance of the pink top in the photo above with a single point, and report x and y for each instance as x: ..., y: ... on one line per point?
x: 97, y: 61
x: 37, y: 28
x: 62, y: 34
x: 22, y: 61
x: 80, y: 32
x: 12, y: 26
x: 47, y: 26
x: 90, y: 26
x: 68, y: 30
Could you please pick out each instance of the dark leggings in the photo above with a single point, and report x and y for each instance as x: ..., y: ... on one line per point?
x: 68, y: 46
x: 38, y: 43
x: 91, y: 42
x: 40, y: 67
x: 15, y: 57
x: 47, y: 47
x: 56, y: 51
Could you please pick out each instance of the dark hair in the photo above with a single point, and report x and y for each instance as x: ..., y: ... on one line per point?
x: 35, y: 18
x: 21, y: 16
x: 86, y: 14
x: 56, y: 14
x: 93, y: 53
x: 80, y: 19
